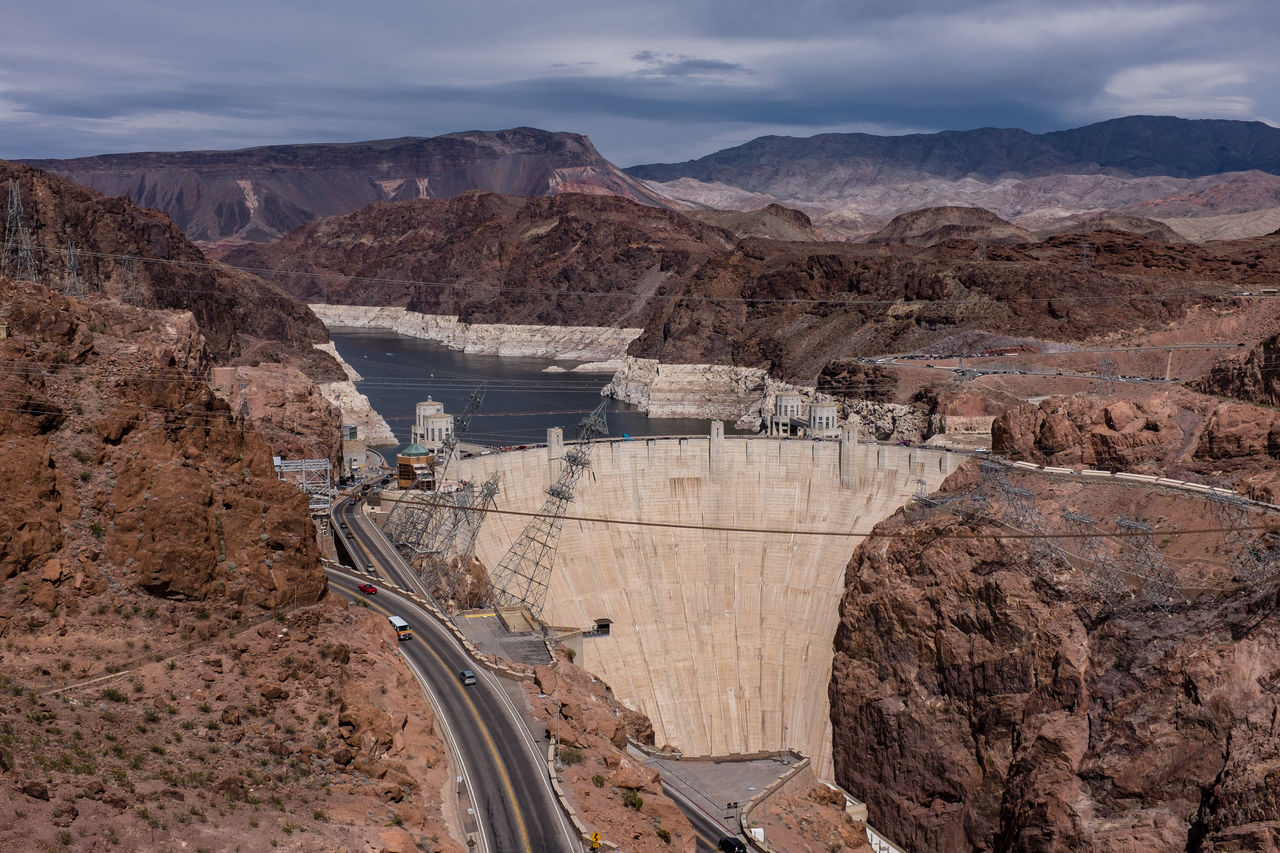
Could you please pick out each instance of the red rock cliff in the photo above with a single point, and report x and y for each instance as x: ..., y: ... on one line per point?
x: 981, y: 704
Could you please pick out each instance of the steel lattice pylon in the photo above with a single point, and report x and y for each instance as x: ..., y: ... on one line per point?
x: 451, y: 545
x: 17, y: 261
x: 129, y: 287
x: 523, y: 575
x: 313, y: 476
x: 465, y: 543
x: 1141, y: 557
x: 73, y: 284
x: 1092, y: 554
x: 1252, y: 562
x: 409, y: 521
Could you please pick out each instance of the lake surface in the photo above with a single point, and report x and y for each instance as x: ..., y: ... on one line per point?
x: 521, y: 401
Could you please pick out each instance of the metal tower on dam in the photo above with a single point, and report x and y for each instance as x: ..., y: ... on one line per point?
x: 410, y: 522
x: 524, y: 573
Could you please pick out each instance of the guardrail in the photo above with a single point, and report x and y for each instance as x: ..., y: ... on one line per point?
x: 1186, y: 485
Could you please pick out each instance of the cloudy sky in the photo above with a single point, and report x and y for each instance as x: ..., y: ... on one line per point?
x: 648, y: 81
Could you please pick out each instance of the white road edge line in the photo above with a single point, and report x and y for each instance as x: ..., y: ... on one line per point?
x: 453, y: 746
x: 575, y: 843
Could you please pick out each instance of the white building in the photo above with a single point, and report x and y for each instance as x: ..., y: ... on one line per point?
x: 431, y: 425
x: 789, y: 418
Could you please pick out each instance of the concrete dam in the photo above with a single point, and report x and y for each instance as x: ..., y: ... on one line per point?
x: 723, y: 638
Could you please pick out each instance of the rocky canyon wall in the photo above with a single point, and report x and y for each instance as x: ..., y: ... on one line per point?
x: 568, y: 343
x: 986, y: 700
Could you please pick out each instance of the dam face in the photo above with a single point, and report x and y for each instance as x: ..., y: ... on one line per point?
x: 724, y: 639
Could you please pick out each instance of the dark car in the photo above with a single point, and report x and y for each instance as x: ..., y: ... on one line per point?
x: 729, y: 844
x: 368, y: 589
x: 468, y: 677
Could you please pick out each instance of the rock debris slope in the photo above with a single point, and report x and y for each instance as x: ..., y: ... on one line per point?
x: 176, y: 675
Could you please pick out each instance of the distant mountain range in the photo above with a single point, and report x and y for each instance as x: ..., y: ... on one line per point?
x: 260, y: 194
x: 851, y: 184
x: 1204, y: 178
x: 1136, y: 146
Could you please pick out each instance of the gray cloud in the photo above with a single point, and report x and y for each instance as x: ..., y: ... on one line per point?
x: 646, y: 80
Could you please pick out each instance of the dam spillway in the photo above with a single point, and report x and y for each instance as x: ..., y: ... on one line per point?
x: 722, y: 637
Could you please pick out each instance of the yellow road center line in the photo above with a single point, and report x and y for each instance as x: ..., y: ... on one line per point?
x: 484, y: 730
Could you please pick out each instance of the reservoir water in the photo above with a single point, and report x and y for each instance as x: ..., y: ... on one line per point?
x: 521, y: 400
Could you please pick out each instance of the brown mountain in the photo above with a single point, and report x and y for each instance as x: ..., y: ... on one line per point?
x: 162, y: 598
x: 244, y: 319
x: 703, y: 296
x: 773, y: 221
x: 933, y: 225
x: 560, y: 260
x: 1151, y: 228
x: 259, y: 194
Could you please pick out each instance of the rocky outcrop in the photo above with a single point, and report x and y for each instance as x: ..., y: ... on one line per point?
x: 773, y: 222
x: 1085, y: 431
x: 736, y: 394
x: 153, y: 483
x: 371, y: 427
x: 980, y: 704
x: 570, y: 343
x: 932, y: 225
x: 889, y: 421
x: 1150, y: 228
x: 613, y: 791
x: 300, y: 420
x: 1254, y: 377
x: 132, y: 254
x: 157, y: 575
x: 1174, y: 433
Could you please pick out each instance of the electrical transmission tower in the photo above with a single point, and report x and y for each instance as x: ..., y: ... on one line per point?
x: 524, y: 573
x: 449, y: 547
x: 1253, y: 560
x: 129, y: 287
x: 465, y: 543
x: 981, y: 253
x: 1107, y: 373
x: 1095, y: 559
x: 242, y: 408
x: 72, y: 284
x: 1142, y: 558
x: 409, y: 521
x: 1086, y: 256
x: 17, y: 261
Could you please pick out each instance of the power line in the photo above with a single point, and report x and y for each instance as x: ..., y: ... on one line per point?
x: 894, y: 534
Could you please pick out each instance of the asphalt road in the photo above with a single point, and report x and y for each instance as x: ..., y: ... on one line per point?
x: 503, y: 767
x: 367, y: 546
x: 709, y: 831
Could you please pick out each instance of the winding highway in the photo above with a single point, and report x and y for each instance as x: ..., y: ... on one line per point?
x: 503, y: 767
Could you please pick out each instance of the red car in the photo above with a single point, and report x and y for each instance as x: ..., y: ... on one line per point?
x: 368, y: 589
